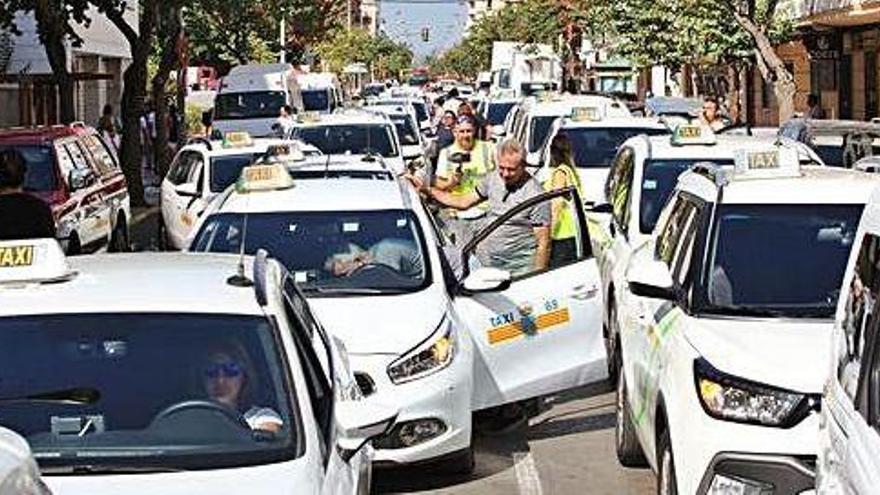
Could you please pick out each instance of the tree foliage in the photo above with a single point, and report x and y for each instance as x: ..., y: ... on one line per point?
x: 384, y: 56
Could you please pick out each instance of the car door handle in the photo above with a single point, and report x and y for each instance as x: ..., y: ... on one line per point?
x: 583, y: 292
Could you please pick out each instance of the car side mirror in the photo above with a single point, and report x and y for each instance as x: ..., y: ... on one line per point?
x: 187, y: 190
x: 80, y: 178
x: 486, y: 279
x: 651, y: 279
x: 360, y: 422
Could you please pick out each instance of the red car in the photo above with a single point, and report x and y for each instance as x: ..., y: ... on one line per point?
x: 77, y: 173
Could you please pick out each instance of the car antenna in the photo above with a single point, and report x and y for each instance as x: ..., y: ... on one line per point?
x: 240, y: 279
x: 327, y: 167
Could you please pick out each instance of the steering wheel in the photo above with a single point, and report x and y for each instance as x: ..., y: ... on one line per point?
x: 197, y: 404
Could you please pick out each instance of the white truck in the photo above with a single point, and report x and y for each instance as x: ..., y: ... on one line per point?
x: 250, y: 97
x: 525, y: 68
x: 321, y: 91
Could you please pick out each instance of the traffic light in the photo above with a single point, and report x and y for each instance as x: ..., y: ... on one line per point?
x: 425, y: 34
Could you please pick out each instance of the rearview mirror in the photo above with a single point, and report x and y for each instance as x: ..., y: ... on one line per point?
x: 187, y: 190
x: 651, y: 279
x: 80, y: 178
x: 486, y: 279
x: 359, y: 422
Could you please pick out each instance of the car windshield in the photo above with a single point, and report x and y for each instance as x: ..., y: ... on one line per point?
x: 421, y: 111
x: 106, y: 392
x: 595, y: 147
x: 779, y: 260
x: 357, y: 139
x: 40, y: 162
x: 373, y: 90
x: 658, y: 181
x: 357, y: 252
x: 540, y: 127
x: 225, y: 170
x: 406, y: 130
x: 250, y: 105
x: 498, y: 112
x: 316, y: 100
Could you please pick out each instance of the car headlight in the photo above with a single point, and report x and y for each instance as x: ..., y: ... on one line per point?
x: 431, y: 356
x: 736, y: 399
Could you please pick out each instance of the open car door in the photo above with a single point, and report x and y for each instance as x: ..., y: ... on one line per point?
x: 536, y: 330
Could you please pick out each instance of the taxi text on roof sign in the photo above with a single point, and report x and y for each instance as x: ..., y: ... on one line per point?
x: 310, y: 116
x: 692, y: 134
x: 237, y: 140
x: 775, y: 162
x: 266, y: 177
x: 585, y: 114
x: 32, y: 261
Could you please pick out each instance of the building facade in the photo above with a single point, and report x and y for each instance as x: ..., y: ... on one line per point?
x: 28, y: 93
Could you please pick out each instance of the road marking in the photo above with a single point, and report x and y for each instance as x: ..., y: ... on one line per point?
x: 527, y: 474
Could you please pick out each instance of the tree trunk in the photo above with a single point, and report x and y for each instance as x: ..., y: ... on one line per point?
x: 130, y: 152
x: 167, y: 63
x: 50, y: 28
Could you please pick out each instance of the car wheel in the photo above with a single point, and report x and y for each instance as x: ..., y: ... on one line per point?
x: 73, y: 246
x: 629, y: 451
x: 119, y: 238
x: 611, y: 343
x: 666, y: 484
x: 162, y: 236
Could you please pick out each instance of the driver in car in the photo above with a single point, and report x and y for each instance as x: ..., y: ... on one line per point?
x: 229, y: 379
x: 399, y: 254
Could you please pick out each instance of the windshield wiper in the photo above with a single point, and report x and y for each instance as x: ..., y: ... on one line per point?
x: 347, y: 290
x: 73, y: 396
x: 75, y: 469
x: 745, y: 311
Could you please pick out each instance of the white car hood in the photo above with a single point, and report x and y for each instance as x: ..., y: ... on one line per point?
x: 266, y: 479
x: 390, y: 324
x: 792, y: 354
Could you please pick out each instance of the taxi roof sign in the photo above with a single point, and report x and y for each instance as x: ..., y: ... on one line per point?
x: 263, y: 177
x: 309, y: 116
x: 32, y: 261
x: 774, y: 162
x: 692, y: 134
x: 585, y: 114
x: 237, y: 139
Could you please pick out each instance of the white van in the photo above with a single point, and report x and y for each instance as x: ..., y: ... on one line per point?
x: 321, y: 91
x: 250, y: 97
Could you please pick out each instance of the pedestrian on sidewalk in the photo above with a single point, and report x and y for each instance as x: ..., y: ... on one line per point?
x: 22, y: 216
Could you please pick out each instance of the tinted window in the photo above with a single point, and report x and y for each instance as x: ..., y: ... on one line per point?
x: 354, y: 139
x: 658, y: 182
x: 498, y: 112
x: 252, y: 105
x: 406, y: 130
x: 226, y: 169
x: 316, y: 100
x: 40, y: 175
x: 134, y: 368
x: 538, y: 130
x: 779, y: 259
x: 864, y: 289
x: 595, y: 148
x: 421, y: 111
x: 330, y: 252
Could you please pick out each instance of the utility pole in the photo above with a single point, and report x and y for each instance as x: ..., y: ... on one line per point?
x: 283, y: 40
x: 348, y: 14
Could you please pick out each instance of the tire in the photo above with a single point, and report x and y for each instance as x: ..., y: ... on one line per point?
x: 74, y: 248
x: 162, y: 236
x: 119, y: 242
x: 626, y: 442
x: 666, y: 484
x: 611, y: 347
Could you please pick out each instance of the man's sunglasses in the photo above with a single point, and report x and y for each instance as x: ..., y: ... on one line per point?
x: 228, y: 370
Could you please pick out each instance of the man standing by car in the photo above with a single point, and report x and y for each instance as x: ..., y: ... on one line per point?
x: 22, y: 216
x: 522, y: 245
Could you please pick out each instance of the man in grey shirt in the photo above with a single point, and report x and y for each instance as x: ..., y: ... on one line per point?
x: 522, y: 244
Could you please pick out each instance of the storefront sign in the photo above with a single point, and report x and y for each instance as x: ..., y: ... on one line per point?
x: 824, y: 46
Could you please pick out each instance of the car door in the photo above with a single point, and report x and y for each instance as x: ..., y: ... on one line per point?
x: 862, y: 464
x: 177, y: 174
x: 542, y: 333
x: 94, y: 214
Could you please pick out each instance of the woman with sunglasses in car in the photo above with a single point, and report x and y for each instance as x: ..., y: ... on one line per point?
x: 229, y: 379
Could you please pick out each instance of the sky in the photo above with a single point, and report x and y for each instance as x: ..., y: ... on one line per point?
x: 404, y: 19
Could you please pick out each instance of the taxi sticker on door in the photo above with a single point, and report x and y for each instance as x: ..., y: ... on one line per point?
x: 16, y: 256
x: 527, y: 320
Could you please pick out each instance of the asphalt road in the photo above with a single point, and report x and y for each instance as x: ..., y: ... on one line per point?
x: 566, y: 449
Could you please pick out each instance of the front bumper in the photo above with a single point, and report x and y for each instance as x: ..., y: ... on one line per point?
x: 442, y: 398
x: 774, y: 474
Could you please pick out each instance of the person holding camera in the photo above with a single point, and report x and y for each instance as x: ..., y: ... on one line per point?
x: 460, y: 167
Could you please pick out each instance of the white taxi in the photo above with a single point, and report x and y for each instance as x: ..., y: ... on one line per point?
x: 201, y: 170
x: 353, y: 132
x: 433, y: 341
x: 412, y: 144
x: 531, y: 123
x: 727, y: 313
x: 643, y: 175
x: 594, y: 143
x: 169, y: 391
x: 849, y: 444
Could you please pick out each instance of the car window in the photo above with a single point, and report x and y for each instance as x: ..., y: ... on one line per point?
x: 101, y: 156
x: 668, y: 240
x: 183, y: 391
x: 249, y: 105
x: 621, y: 185
x: 539, y: 127
x: 80, y: 160
x: 181, y: 168
x: 357, y: 139
x: 595, y: 147
x: 681, y: 260
x: 863, y: 291
x: 226, y: 169
x: 40, y: 175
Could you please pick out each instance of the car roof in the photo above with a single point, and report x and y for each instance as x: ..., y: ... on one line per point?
x: 348, y: 117
x: 814, y: 185
x: 562, y: 104
x: 150, y: 282
x: 725, y: 147
x: 615, y: 122
x: 35, y: 135
x: 260, y: 145
x: 324, y: 194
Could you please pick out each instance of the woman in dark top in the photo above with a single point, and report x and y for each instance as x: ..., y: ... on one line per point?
x: 22, y: 216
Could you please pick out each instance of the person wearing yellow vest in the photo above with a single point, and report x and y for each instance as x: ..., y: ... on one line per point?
x: 460, y: 168
x: 563, y: 226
